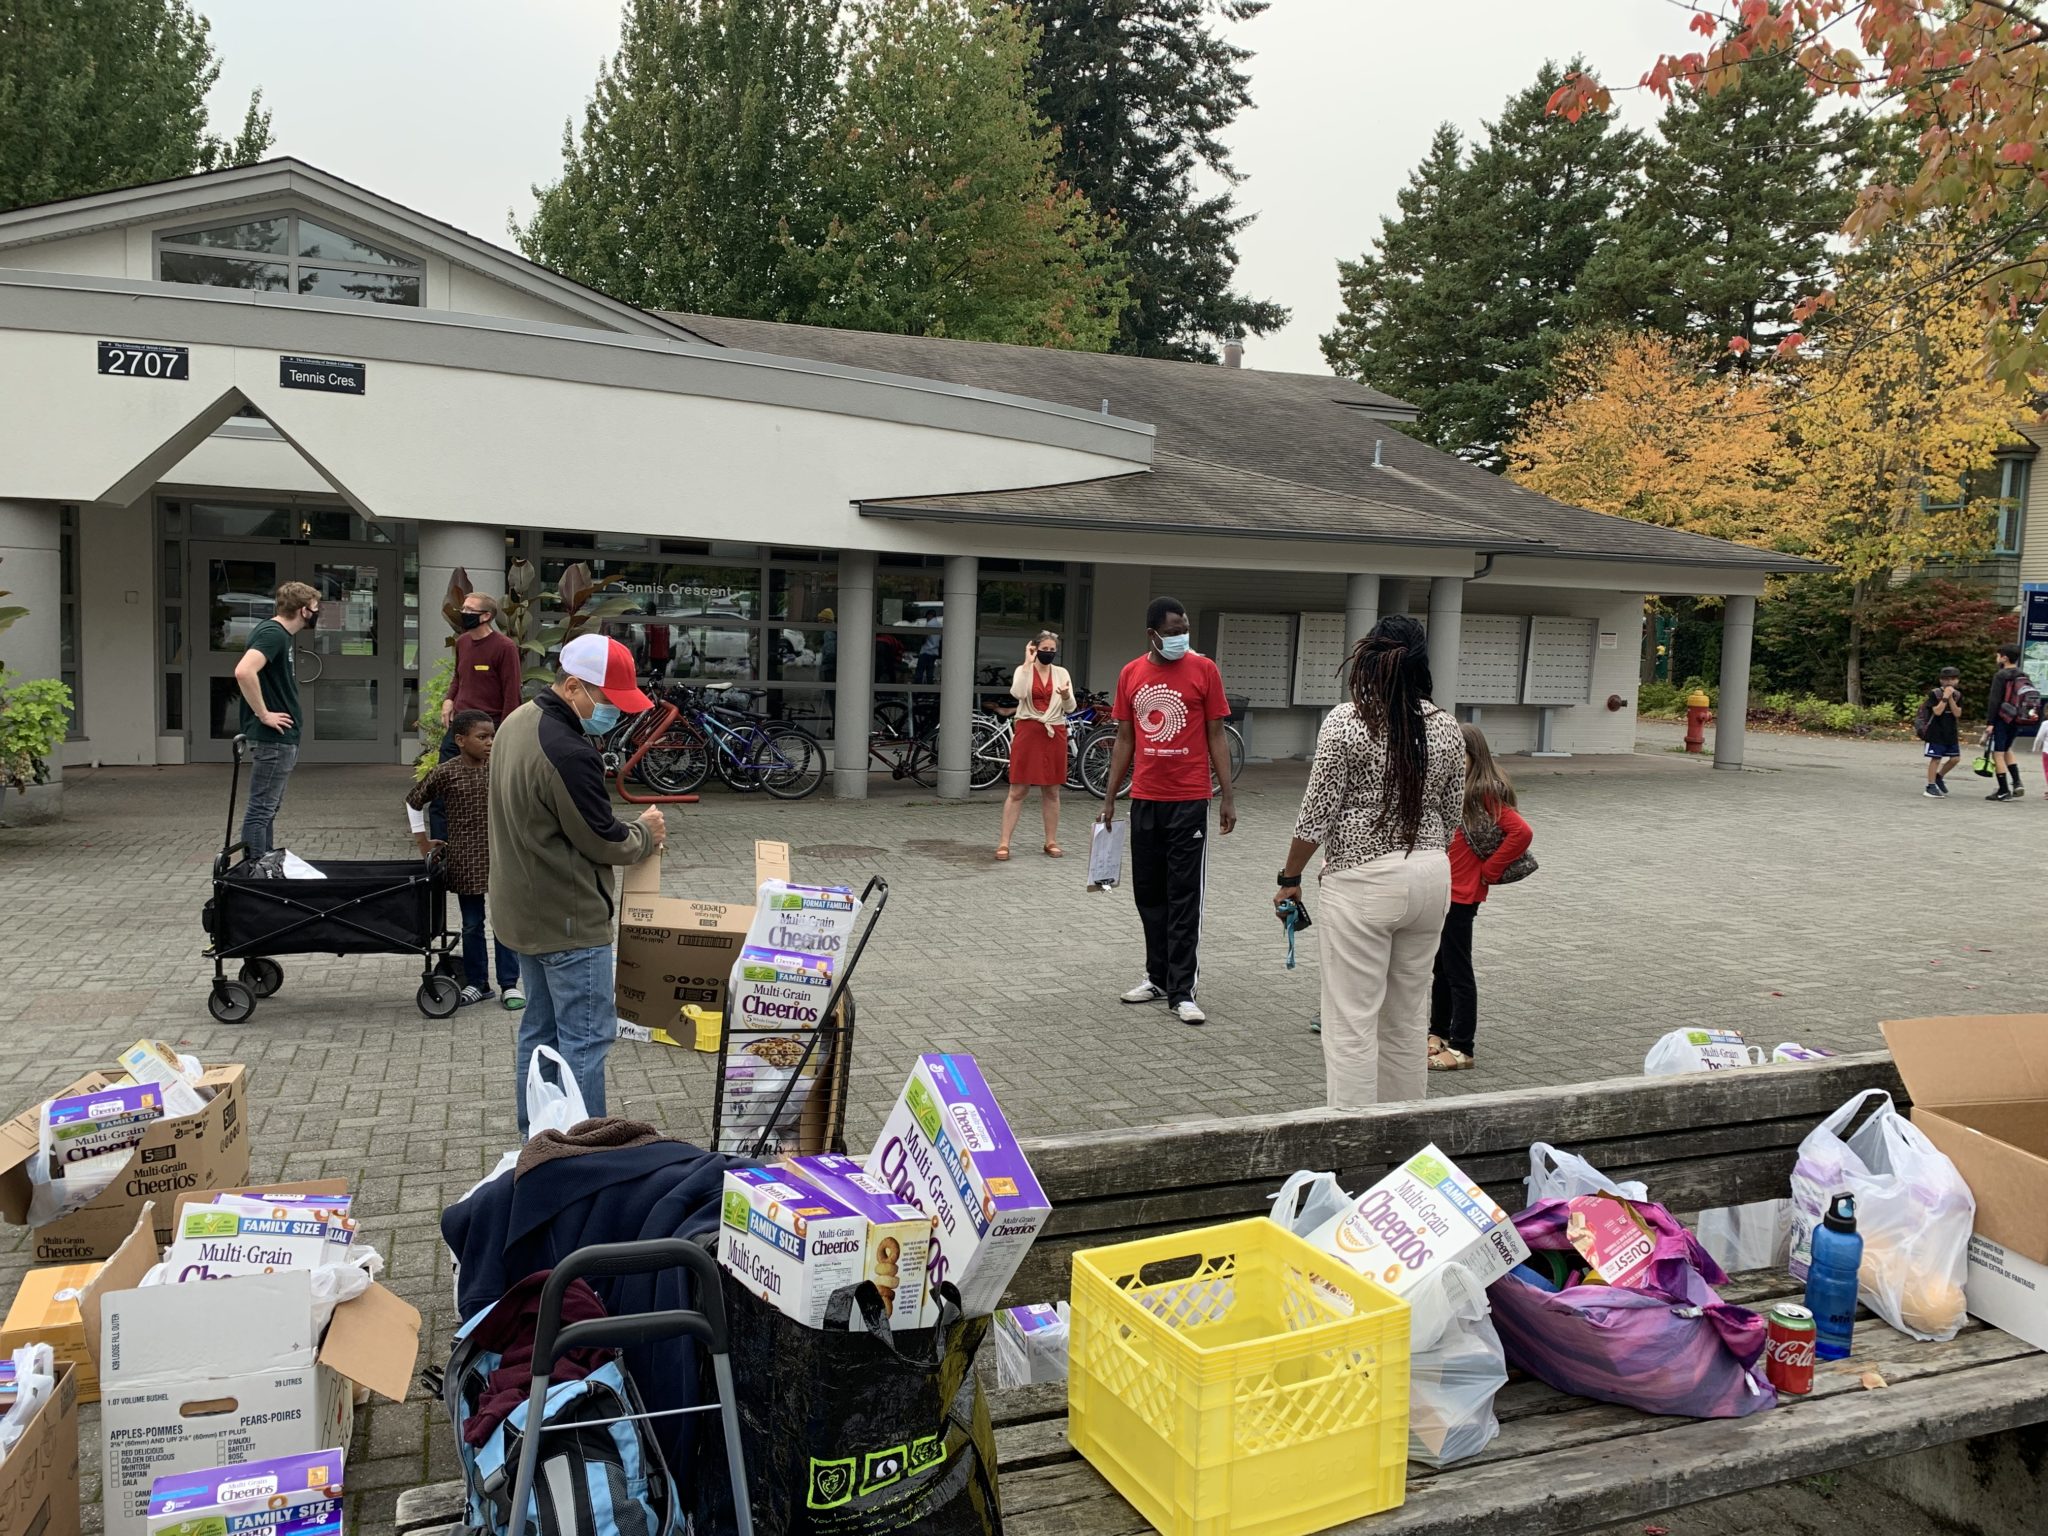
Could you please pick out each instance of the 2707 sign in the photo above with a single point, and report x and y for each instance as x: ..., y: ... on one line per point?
x: 145, y: 360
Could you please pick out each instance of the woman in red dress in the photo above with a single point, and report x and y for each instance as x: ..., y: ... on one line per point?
x: 1038, y: 744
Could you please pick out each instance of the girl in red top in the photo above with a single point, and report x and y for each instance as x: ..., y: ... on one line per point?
x: 1454, y: 999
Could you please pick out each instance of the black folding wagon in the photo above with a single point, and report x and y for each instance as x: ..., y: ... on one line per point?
x: 348, y: 907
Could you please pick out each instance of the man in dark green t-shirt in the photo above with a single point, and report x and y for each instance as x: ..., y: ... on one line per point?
x: 270, y: 709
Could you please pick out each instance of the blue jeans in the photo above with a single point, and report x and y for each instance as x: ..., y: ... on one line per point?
x: 270, y: 765
x: 569, y: 1007
x: 476, y: 969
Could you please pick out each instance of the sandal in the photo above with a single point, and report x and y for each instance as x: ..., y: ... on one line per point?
x: 1448, y: 1060
x: 1054, y: 851
x: 1436, y: 1044
x: 1003, y: 854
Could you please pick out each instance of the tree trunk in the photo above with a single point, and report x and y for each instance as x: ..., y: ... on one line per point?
x: 1853, y: 683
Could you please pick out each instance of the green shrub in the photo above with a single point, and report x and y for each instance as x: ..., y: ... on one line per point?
x: 1882, y: 714
x: 34, y: 716
x: 1840, y: 717
x: 1660, y: 698
x: 1809, y: 712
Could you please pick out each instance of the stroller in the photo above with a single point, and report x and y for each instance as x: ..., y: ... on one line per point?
x: 355, y: 907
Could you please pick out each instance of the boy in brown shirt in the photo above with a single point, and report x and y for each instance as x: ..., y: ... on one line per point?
x: 460, y: 787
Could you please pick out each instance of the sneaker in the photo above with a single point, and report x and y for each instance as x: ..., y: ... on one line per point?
x: 1931, y: 792
x: 1190, y: 1012
x: 512, y: 999
x: 2000, y: 793
x: 472, y: 994
x: 2018, y: 793
x: 1941, y: 783
x: 1144, y: 992
x: 1315, y: 1025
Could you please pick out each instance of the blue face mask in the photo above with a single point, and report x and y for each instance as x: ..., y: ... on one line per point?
x: 1173, y: 647
x: 603, y: 716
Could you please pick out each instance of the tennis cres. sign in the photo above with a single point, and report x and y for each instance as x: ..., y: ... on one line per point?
x: 323, y: 374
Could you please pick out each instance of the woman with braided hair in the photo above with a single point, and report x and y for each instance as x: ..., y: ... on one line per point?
x: 1385, y: 793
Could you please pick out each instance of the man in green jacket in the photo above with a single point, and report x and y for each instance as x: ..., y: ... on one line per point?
x: 554, y: 841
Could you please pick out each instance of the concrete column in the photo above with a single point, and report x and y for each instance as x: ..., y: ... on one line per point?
x: 1731, y: 714
x: 1393, y: 595
x: 956, y: 675
x: 118, y: 665
x: 1446, y: 625
x: 1116, y: 622
x: 1361, y: 608
x: 31, y: 572
x: 854, y: 705
x: 478, y: 550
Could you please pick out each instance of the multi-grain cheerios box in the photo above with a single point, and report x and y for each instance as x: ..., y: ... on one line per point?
x: 947, y: 1149
x: 789, y: 1242
x: 899, y: 1234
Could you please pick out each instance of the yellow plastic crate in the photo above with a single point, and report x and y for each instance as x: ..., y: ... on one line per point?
x: 1237, y: 1380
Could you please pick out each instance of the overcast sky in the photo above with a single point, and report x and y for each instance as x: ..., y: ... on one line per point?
x: 456, y: 107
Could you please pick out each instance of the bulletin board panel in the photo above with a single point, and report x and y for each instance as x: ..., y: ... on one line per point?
x: 1318, y: 656
x: 1491, y: 648
x: 1559, y: 669
x: 1256, y: 653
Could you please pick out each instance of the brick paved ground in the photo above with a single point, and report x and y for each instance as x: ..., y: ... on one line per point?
x: 1807, y: 899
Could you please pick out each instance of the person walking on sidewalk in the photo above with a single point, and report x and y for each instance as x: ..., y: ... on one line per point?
x: 1385, y: 793
x: 486, y: 677
x: 461, y: 790
x: 2002, y: 725
x: 1169, y: 738
x: 1038, y: 740
x: 554, y: 841
x: 269, y: 687
x: 1939, y: 724
x: 1491, y: 817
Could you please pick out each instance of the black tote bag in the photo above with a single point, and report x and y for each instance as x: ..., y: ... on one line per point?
x: 856, y: 1431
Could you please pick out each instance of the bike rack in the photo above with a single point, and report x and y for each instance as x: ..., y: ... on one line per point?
x: 667, y: 716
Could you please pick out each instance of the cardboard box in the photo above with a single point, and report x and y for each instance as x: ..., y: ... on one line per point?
x: 675, y: 950
x: 1980, y: 1093
x: 39, y: 1478
x: 947, y: 1149
x: 244, y: 1348
x: 209, y: 1150
x: 2007, y: 1290
x: 1422, y: 1216
x: 48, y: 1309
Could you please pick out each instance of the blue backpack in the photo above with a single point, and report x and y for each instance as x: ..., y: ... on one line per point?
x: 605, y: 1479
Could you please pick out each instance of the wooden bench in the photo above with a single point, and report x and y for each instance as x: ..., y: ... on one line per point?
x: 1561, y: 1464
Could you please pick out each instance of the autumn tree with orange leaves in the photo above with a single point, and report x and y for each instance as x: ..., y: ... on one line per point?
x: 1969, y: 78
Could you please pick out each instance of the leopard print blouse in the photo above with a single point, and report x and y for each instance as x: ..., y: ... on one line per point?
x: 1347, y: 807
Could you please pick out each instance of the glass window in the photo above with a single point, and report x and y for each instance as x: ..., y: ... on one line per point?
x: 802, y: 655
x: 1024, y: 604
x: 2014, y: 475
x: 908, y: 597
x: 284, y: 253
x: 174, y: 701
x: 67, y: 616
x: 806, y: 596
x: 174, y: 637
x: 345, y: 709
x: 714, y: 653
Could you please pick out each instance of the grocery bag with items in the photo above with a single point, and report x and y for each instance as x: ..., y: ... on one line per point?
x: 1432, y: 1237
x: 1753, y: 1236
x: 1617, y: 1302
x: 85, y: 1139
x: 1559, y: 1175
x: 1912, y: 1208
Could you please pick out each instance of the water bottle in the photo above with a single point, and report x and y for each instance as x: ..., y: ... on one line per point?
x: 1831, y: 1278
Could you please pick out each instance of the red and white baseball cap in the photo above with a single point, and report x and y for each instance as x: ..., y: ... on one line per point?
x: 604, y: 664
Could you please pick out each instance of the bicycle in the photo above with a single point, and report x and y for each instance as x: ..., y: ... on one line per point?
x: 1095, y: 753
x: 747, y: 751
x: 913, y: 757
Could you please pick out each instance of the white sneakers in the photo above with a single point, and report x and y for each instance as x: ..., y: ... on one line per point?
x: 1144, y: 992
x: 1190, y: 1012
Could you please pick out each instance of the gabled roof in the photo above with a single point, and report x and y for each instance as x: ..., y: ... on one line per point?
x: 313, y: 189
x: 1311, y: 432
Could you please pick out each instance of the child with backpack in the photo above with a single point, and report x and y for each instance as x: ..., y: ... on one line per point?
x: 1939, y: 724
x: 1490, y: 823
x: 461, y: 786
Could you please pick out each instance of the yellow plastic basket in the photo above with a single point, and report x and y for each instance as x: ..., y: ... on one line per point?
x: 1235, y: 1379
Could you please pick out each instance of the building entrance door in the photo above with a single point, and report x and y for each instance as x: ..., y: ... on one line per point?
x: 351, y: 691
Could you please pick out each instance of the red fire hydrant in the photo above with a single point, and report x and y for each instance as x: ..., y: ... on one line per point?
x: 1697, y: 708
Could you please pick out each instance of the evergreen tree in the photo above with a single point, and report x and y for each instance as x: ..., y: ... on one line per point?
x: 1736, y: 207
x: 698, y: 166
x: 1466, y: 298
x: 109, y: 94
x: 1142, y: 92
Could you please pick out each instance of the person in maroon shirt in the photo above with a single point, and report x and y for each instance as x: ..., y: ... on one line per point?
x: 487, y: 678
x: 1169, y: 738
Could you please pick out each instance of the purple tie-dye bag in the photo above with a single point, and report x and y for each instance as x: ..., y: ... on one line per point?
x: 1669, y: 1346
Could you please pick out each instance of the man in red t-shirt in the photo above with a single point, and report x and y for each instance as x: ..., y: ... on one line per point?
x: 1169, y: 739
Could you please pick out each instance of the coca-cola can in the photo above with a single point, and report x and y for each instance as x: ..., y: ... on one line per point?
x: 1788, y: 1349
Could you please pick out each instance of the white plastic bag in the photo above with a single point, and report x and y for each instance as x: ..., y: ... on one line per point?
x: 1031, y: 1344
x: 35, y: 1375
x: 551, y: 1106
x: 1700, y: 1050
x: 1555, y: 1175
x: 1307, y: 1200
x: 1912, y: 1208
x: 1454, y: 1371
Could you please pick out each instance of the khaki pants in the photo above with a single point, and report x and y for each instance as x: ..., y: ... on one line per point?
x: 1380, y: 923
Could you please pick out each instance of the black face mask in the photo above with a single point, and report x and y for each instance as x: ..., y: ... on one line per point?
x: 471, y: 620
x: 1047, y: 658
